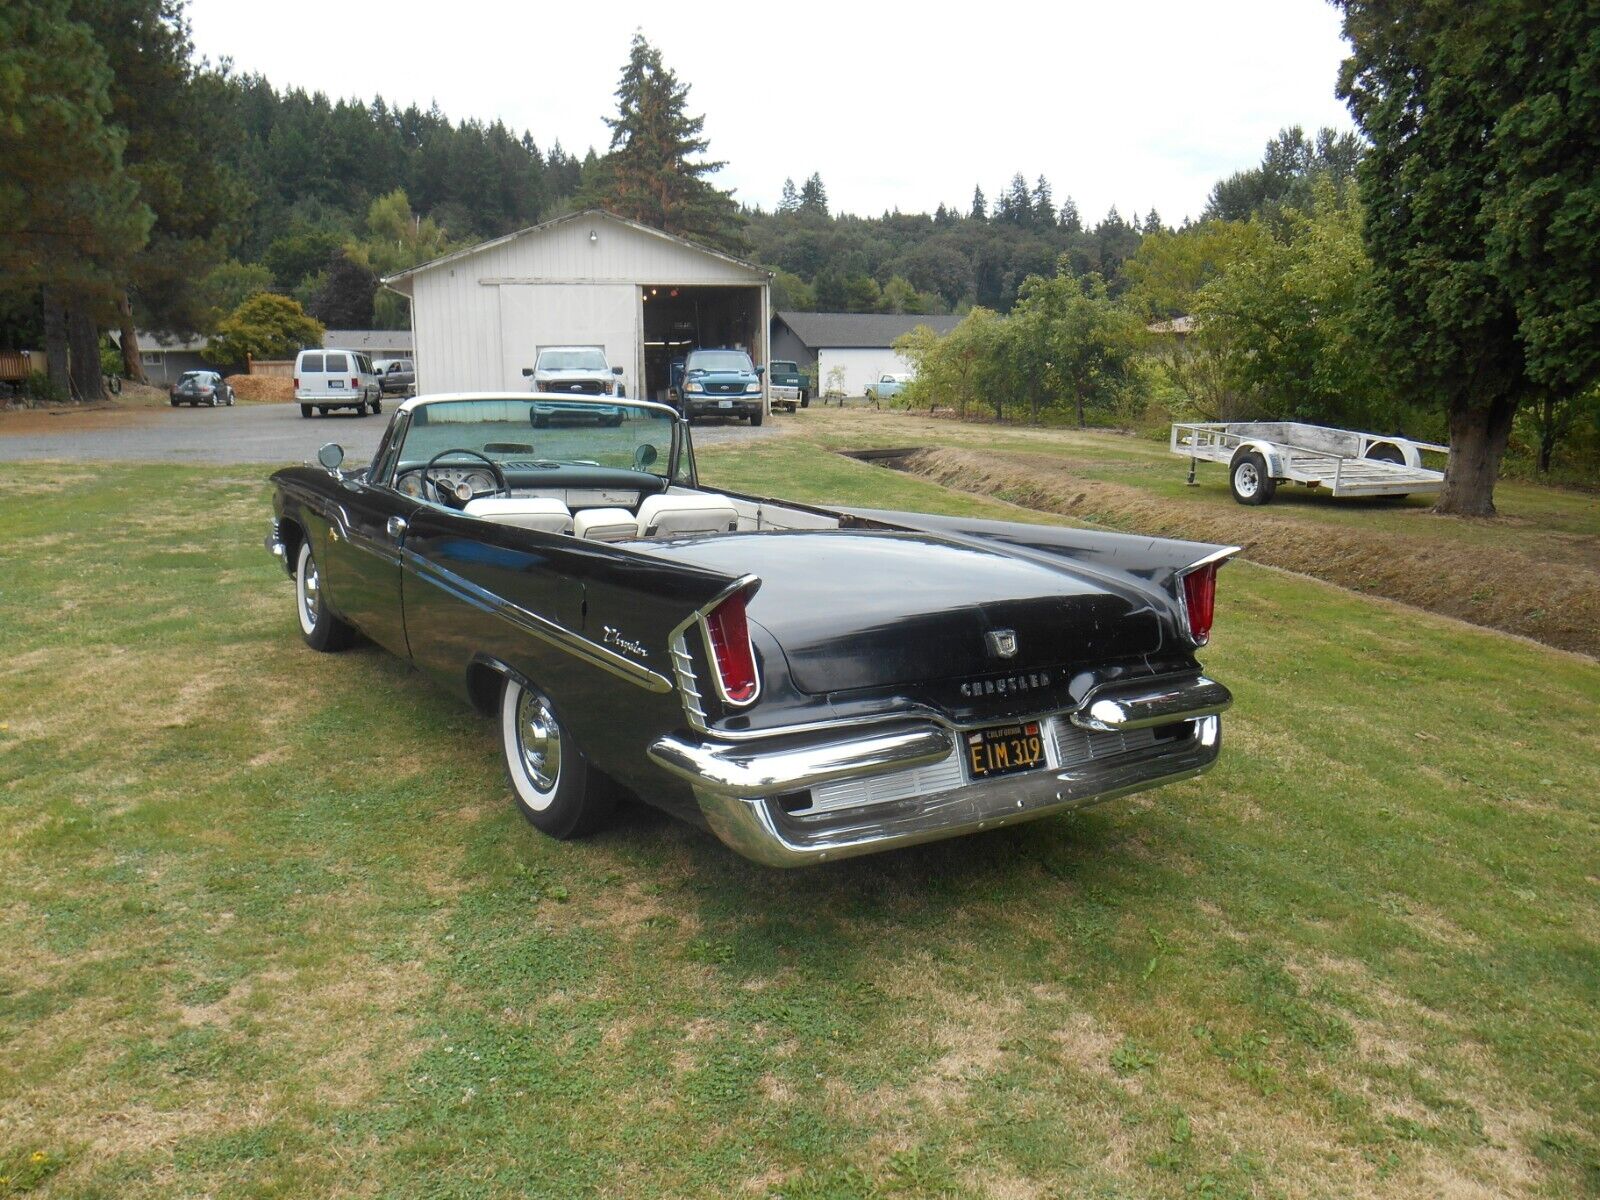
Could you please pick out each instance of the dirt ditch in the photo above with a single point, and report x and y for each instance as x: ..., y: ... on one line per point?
x: 1554, y: 602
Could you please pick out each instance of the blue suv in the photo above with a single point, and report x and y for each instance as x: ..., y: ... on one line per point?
x: 722, y: 383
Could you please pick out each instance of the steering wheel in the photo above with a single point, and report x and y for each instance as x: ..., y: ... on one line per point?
x: 502, y: 488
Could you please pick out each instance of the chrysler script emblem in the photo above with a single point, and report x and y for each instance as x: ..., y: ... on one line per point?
x: 1002, y: 643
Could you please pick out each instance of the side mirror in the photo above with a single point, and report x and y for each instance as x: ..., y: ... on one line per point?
x: 760, y: 371
x: 616, y: 370
x: 331, y: 455
x: 644, y: 456
x: 527, y: 372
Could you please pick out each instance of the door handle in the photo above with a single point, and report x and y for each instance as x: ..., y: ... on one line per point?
x: 397, y: 527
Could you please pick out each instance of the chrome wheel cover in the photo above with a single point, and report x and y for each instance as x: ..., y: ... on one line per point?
x: 310, y: 593
x: 538, y: 742
x: 1246, y: 480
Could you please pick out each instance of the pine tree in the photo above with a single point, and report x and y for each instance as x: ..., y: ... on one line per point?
x: 980, y: 206
x: 1069, y: 218
x: 1152, y: 222
x: 1016, y: 202
x: 813, y: 196
x: 653, y: 173
x: 790, y: 200
x: 1044, y: 211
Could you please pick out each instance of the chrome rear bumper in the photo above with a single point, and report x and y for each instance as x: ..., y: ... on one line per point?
x: 739, y: 786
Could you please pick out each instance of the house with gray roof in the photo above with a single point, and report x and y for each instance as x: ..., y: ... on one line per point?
x: 860, y: 345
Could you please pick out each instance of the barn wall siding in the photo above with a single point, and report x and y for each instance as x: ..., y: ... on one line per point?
x: 479, y: 319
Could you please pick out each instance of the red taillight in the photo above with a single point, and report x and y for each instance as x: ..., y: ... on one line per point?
x: 1200, y: 599
x: 735, y: 661
x: 297, y: 383
x: 354, y: 382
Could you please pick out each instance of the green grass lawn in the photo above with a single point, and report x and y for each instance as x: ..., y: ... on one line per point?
x: 270, y: 926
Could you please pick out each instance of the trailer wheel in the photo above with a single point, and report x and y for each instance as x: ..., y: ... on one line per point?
x: 1248, y: 479
x: 1390, y: 453
x: 1385, y: 452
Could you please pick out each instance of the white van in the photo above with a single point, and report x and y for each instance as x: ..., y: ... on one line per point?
x: 325, y: 379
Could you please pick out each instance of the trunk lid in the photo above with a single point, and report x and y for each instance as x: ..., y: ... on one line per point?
x: 863, y: 609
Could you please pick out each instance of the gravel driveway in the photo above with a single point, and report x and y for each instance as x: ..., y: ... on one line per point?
x: 257, y: 433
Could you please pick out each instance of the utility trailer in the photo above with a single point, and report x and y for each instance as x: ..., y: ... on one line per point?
x: 1262, y: 454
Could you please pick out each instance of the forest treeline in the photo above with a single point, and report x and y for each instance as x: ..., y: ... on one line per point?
x: 1436, y: 275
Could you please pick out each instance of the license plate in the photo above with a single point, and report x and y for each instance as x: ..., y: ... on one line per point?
x: 336, y: 383
x: 1004, y: 750
x: 724, y: 403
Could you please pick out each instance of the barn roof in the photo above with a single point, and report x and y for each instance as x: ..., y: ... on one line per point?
x: 588, y: 214
x: 841, y: 331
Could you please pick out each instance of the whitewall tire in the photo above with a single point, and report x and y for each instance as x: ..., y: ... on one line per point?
x: 551, y: 781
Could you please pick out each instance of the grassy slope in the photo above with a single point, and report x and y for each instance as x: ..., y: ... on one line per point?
x: 269, y: 926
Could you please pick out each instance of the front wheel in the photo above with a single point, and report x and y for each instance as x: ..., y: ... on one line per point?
x: 756, y: 418
x: 321, y: 629
x: 1249, y: 480
x: 551, y: 781
x: 174, y: 401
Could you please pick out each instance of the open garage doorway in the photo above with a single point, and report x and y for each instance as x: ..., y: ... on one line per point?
x: 678, y: 319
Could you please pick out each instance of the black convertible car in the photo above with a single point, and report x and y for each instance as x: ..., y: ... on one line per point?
x: 808, y: 683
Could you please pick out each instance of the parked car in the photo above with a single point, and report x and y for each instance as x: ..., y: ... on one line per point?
x: 788, y: 385
x: 329, y: 379
x: 722, y: 383
x: 396, y: 376
x: 886, y: 387
x: 581, y: 370
x: 200, y: 387
x: 807, y: 683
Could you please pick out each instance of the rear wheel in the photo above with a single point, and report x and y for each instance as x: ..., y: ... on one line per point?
x: 1248, y: 478
x: 305, y: 410
x: 1390, y: 453
x: 805, y: 399
x: 377, y: 404
x: 323, y: 409
x: 321, y: 629
x: 553, y: 784
x: 174, y: 400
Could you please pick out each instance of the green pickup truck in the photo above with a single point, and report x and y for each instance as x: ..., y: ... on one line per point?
x: 788, y: 386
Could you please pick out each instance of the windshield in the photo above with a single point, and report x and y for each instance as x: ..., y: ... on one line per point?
x: 719, y: 360
x: 579, y: 359
x: 788, y: 368
x: 540, y: 433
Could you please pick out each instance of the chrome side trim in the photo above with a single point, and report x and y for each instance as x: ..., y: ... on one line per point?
x: 688, y: 684
x: 749, y: 771
x: 540, y: 627
x: 1112, y: 708
x: 759, y: 829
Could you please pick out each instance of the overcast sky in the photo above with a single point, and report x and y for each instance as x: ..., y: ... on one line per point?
x: 1139, y: 104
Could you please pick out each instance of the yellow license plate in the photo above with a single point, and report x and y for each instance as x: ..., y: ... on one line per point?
x: 1004, y: 750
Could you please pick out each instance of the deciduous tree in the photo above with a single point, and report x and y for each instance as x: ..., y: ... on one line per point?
x: 1482, y: 191
x: 265, y: 326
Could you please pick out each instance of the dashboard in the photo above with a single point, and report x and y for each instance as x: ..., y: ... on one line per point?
x: 577, y: 486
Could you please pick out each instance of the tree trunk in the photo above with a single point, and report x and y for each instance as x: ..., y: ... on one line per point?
x: 55, y: 340
x: 83, y: 341
x: 1078, y: 396
x: 132, y: 366
x: 1547, y: 433
x: 1478, y: 440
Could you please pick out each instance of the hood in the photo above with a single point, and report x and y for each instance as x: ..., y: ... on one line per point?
x: 861, y: 609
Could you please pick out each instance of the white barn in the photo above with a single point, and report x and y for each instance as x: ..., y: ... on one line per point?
x: 479, y: 316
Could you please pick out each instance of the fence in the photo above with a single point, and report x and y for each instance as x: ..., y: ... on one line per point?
x: 281, y: 368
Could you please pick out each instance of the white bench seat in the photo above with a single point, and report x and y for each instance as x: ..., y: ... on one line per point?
x: 679, y: 513
x: 544, y: 513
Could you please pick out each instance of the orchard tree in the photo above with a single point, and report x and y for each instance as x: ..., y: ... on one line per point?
x: 653, y: 173
x: 1067, y: 339
x: 1482, y: 193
